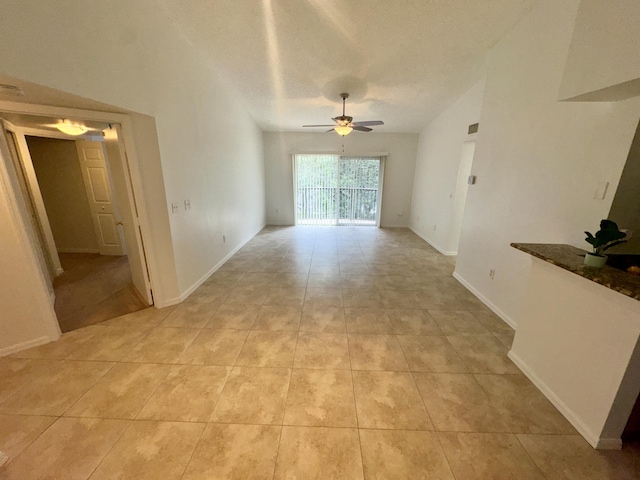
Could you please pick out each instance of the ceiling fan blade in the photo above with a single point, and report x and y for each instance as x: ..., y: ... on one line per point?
x: 330, y: 130
x: 369, y: 123
x: 361, y: 128
x: 317, y: 125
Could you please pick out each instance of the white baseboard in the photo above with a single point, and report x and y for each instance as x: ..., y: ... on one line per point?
x: 589, y: 436
x: 448, y: 253
x: 23, y: 346
x: 393, y: 226
x: 170, y: 302
x: 184, y: 295
x: 508, y: 320
x: 77, y: 250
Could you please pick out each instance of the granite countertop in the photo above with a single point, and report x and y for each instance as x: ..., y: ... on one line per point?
x: 572, y: 258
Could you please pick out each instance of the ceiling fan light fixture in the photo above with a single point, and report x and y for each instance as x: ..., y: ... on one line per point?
x: 345, y: 124
x: 65, y: 126
x: 343, y: 130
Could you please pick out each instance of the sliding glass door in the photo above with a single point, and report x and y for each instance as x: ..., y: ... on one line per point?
x: 337, y: 190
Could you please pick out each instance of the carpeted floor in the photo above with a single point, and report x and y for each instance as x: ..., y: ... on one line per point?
x: 92, y: 289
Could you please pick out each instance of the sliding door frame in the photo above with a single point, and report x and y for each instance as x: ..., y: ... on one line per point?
x: 381, y: 155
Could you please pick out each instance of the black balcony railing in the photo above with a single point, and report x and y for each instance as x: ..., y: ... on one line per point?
x: 337, y: 206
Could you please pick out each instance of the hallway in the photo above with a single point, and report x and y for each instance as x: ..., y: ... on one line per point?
x: 315, y: 353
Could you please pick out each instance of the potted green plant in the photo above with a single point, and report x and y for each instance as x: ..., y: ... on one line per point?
x: 605, y: 238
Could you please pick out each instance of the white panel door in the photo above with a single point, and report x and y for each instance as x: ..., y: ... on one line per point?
x: 98, y: 187
x: 123, y: 193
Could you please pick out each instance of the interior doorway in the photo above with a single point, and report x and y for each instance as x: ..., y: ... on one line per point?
x: 97, y: 269
x: 338, y: 190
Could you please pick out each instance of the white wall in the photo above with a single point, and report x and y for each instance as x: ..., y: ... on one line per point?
x: 63, y: 191
x: 163, y: 277
x: 581, y: 353
x: 437, y: 163
x: 398, y: 174
x: 537, y: 160
x: 605, y: 33
x: 24, y: 297
x: 130, y: 55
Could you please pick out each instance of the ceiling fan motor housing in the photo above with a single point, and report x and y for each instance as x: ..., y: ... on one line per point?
x: 343, y: 120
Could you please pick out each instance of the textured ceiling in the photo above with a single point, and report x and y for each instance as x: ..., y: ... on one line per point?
x: 402, y: 61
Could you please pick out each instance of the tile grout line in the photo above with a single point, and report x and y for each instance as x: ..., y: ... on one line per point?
x: 124, y: 430
x: 195, y: 447
x: 284, y: 410
x: 88, y: 389
x: 444, y: 452
x: 515, y: 435
x: 355, y: 403
x: 36, y: 438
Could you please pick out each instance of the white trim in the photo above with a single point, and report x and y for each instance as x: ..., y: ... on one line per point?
x: 589, y: 436
x: 510, y: 321
x: 19, y: 347
x: 295, y: 189
x: 18, y: 215
x: 381, y: 168
x: 59, y: 271
x: 36, y: 196
x: 390, y: 226
x: 341, y: 153
x: 49, y: 111
x: 137, y: 206
x: 184, y: 295
x: 448, y: 253
x: 169, y: 302
x: 37, y: 132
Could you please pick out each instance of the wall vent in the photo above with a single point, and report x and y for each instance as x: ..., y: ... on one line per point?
x: 473, y: 128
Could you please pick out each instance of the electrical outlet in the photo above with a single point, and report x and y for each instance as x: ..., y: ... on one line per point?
x: 434, y: 228
x: 174, y: 207
x: 492, y: 273
x: 187, y: 205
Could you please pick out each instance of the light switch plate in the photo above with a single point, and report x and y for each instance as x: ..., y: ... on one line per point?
x: 601, y: 190
x: 174, y: 207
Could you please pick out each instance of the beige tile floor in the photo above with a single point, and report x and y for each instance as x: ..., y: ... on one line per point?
x: 313, y: 353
